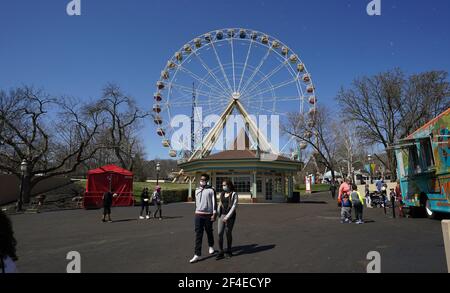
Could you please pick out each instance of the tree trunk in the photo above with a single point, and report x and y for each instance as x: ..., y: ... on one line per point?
x: 392, y: 164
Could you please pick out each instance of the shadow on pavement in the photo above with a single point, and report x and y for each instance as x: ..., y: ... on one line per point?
x: 241, y: 250
x: 251, y: 248
x: 124, y: 220
x: 312, y: 202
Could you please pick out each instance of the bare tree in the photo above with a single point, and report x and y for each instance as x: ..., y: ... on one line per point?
x: 350, y: 148
x: 388, y: 106
x: 316, y: 131
x: 52, y: 136
x: 123, y: 120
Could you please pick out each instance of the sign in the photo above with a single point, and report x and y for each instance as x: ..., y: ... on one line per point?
x: 308, y: 184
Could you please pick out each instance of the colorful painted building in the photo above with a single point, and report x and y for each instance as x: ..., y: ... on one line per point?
x: 423, y: 166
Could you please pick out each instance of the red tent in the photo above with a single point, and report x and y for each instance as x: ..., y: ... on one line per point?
x: 108, y: 178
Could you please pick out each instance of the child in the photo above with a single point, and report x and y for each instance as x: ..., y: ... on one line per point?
x: 357, y: 202
x: 368, y: 199
x: 346, y: 208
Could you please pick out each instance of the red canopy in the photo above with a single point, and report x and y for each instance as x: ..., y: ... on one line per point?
x: 109, y: 178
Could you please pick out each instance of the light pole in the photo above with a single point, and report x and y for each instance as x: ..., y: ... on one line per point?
x: 23, y: 170
x: 369, y: 157
x: 158, y: 168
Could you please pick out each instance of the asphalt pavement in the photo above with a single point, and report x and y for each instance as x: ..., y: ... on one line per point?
x: 268, y: 238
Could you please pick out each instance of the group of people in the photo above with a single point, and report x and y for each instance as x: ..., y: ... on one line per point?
x: 155, y: 198
x: 145, y: 203
x: 207, y: 211
x: 349, y: 197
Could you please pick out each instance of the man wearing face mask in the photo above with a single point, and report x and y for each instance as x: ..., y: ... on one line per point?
x: 205, y: 215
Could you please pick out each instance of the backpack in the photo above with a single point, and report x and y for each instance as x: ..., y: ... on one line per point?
x: 355, y: 197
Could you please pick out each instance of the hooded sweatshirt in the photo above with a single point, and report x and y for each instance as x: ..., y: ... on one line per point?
x: 205, y: 200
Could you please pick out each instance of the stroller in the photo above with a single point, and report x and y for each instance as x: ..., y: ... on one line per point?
x: 376, y: 199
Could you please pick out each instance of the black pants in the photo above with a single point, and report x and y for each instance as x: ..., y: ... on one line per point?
x: 144, y: 205
x: 358, y: 207
x: 203, y: 222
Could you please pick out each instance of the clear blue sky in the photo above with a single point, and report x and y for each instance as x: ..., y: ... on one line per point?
x: 129, y: 41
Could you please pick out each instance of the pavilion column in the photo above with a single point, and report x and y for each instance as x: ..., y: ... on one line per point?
x: 290, y: 185
x: 254, y: 188
x: 190, y: 189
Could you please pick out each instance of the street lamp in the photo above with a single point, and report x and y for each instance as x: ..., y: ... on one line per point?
x: 23, y: 171
x: 158, y: 168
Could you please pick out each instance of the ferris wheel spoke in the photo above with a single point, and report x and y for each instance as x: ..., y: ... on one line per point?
x: 216, y: 107
x: 282, y: 99
x: 201, y: 80
x: 181, y: 98
x: 263, y: 60
x: 259, y: 108
x: 266, y: 77
x: 271, y: 88
x: 221, y: 67
x: 232, y: 61
x: 245, y: 65
x: 188, y: 90
x: 211, y: 73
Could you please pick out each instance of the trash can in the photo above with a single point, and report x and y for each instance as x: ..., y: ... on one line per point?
x: 296, y: 197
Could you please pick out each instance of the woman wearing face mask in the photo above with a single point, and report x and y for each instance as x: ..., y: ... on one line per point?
x: 227, y: 217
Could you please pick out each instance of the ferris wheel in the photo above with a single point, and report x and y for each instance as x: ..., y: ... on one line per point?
x: 227, y: 70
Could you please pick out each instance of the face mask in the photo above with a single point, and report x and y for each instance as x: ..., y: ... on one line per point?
x: 226, y: 189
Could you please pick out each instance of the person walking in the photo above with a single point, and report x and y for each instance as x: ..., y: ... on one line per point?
x: 107, y: 204
x: 343, y: 189
x: 157, y: 201
x: 8, y: 244
x: 227, y: 217
x: 399, y: 199
x: 333, y: 189
x: 379, y: 185
x: 357, y: 203
x: 205, y: 215
x: 367, y: 194
x: 145, y: 201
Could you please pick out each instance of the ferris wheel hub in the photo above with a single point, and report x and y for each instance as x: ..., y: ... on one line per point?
x: 236, y: 95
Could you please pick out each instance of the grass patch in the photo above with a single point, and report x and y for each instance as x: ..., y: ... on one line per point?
x: 314, y: 188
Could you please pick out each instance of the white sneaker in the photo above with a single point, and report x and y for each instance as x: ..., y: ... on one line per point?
x: 195, y: 259
x: 141, y: 217
x: 211, y: 250
x: 147, y: 217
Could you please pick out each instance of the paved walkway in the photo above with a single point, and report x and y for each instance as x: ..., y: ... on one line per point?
x: 304, y: 237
